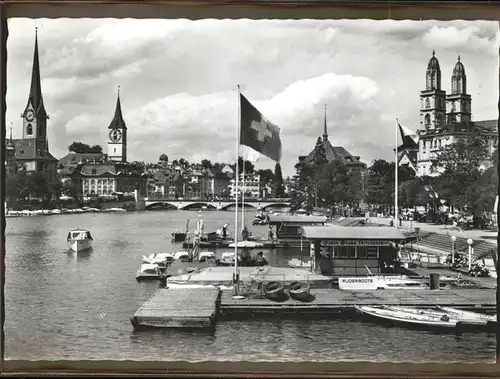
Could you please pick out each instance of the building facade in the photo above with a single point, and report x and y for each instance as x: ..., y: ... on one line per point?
x: 250, y: 185
x: 445, y: 118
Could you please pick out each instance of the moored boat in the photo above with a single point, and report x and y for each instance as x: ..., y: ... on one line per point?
x: 148, y: 271
x: 297, y: 263
x: 408, y: 318
x: 468, y: 317
x: 180, y: 255
x: 160, y: 259
x: 273, y: 290
x: 299, y: 290
x: 79, y: 240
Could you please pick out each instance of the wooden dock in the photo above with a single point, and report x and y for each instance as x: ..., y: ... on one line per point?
x: 332, y: 301
x: 179, y: 308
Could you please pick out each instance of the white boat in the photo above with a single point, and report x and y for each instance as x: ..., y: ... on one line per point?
x: 160, y: 259
x: 409, y: 318
x: 227, y: 258
x: 468, y: 317
x: 297, y: 263
x: 148, y: 271
x: 79, y: 240
x: 206, y: 256
x: 460, y: 316
x: 180, y: 255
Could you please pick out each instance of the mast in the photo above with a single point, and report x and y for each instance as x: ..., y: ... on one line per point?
x: 243, y: 197
x: 396, y: 177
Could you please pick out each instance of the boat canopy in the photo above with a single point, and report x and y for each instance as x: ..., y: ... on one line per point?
x: 353, y: 233
x: 79, y: 234
x: 296, y: 219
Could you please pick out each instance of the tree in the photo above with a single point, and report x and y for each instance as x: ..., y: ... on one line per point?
x: 205, y: 163
x: 83, y: 148
x: 279, y: 188
x: 70, y: 189
x: 163, y: 158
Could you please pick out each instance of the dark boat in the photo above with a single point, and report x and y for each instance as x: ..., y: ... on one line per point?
x: 179, y: 236
x: 273, y: 290
x: 299, y: 290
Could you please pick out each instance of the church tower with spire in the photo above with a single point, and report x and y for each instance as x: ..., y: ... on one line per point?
x: 117, y: 142
x: 458, y: 102
x: 433, y: 98
x: 32, y: 151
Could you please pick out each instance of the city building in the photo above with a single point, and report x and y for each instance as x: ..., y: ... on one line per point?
x: 333, y: 153
x: 32, y: 150
x: 10, y: 156
x: 444, y: 118
x: 250, y: 185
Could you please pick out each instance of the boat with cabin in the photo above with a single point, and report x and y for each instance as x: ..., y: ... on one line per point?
x: 79, y: 240
x: 160, y: 259
x: 148, y: 271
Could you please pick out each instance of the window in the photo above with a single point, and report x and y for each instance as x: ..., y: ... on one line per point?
x: 427, y: 103
x: 94, y: 171
x: 427, y: 120
x: 29, y: 129
x: 114, y: 150
x: 372, y: 252
x: 362, y: 252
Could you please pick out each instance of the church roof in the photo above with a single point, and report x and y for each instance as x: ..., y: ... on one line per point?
x: 336, y: 153
x: 35, y: 95
x: 459, y: 68
x: 26, y: 151
x: 433, y: 63
x: 117, y: 121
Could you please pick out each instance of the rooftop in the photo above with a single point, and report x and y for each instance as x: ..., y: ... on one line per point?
x: 355, y: 232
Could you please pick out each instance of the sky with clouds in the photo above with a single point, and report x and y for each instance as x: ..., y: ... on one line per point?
x: 178, y: 80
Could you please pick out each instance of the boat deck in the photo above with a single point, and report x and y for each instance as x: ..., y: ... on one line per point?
x: 328, y: 301
x: 179, y: 308
x: 223, y: 275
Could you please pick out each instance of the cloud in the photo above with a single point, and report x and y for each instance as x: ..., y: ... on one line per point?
x: 471, y: 39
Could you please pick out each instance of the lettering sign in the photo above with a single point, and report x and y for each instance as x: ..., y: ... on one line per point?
x: 358, y: 283
x: 355, y: 243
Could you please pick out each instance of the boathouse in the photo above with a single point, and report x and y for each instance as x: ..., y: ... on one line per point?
x: 352, y: 251
x: 289, y: 227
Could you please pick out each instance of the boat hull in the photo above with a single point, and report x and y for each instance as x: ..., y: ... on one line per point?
x: 468, y: 317
x: 406, y: 318
x: 79, y: 245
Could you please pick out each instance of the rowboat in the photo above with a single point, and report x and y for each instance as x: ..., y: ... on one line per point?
x: 468, y: 317
x: 407, y: 317
x: 299, y: 290
x: 273, y: 290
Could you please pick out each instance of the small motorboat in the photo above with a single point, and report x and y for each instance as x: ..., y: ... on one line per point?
x: 148, y: 271
x: 206, y: 256
x: 468, y: 317
x: 409, y: 318
x: 273, y: 290
x: 162, y: 260
x: 180, y: 255
x: 227, y: 259
x: 79, y: 240
x: 297, y: 263
x: 299, y: 290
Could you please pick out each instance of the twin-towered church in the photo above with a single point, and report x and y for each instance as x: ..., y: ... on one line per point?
x: 444, y: 117
x: 95, y: 173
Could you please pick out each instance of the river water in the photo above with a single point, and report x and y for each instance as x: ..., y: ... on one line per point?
x: 63, y: 306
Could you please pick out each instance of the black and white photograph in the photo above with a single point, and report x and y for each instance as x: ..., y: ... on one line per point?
x: 251, y: 190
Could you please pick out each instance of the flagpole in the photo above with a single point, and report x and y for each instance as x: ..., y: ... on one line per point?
x: 243, y: 196
x: 235, y: 275
x: 396, y: 178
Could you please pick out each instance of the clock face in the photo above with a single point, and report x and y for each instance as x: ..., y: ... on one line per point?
x: 30, y: 116
x: 115, y: 135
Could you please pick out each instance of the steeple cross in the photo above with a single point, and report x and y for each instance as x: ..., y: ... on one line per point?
x: 262, y: 131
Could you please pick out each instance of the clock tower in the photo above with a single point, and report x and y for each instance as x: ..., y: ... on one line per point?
x: 117, y: 135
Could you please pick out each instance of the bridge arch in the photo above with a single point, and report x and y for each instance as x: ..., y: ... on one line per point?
x: 275, y: 205
x: 160, y: 205
x: 246, y: 205
x: 196, y: 204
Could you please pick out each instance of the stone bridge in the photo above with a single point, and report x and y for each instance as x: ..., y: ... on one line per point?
x: 260, y: 204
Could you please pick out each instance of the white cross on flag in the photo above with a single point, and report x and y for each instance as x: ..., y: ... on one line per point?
x: 258, y: 133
